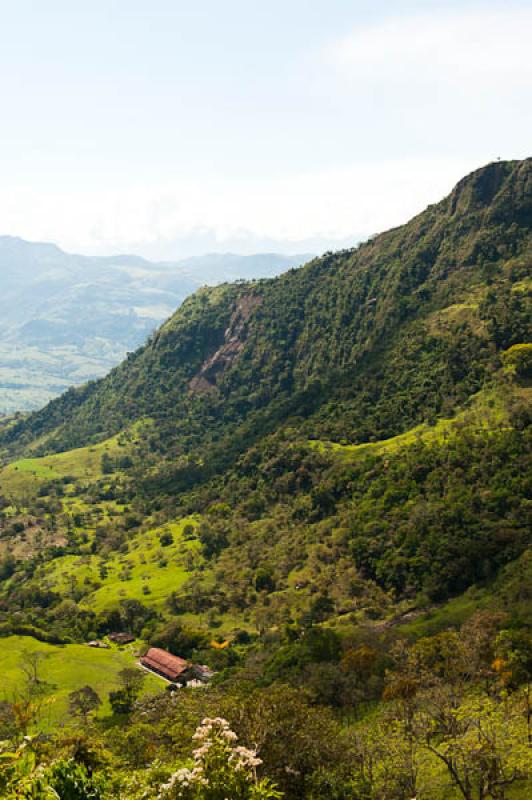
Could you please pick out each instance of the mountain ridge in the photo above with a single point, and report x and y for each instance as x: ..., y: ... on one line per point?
x: 317, y: 484
x: 362, y: 294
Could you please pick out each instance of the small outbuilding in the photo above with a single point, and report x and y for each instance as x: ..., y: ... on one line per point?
x: 202, y: 672
x: 121, y: 638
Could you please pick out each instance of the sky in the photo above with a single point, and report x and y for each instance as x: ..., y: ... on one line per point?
x: 171, y: 128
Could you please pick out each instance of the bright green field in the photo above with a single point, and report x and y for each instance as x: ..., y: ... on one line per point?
x: 146, y: 564
x: 27, y: 474
x: 68, y: 667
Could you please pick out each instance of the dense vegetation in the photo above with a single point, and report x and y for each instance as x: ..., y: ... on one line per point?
x: 320, y: 486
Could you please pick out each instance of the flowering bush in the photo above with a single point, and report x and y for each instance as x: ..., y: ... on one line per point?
x: 222, y: 770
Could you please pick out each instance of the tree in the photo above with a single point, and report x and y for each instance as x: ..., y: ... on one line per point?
x: 30, y: 699
x: 83, y: 701
x: 514, y: 668
x: 451, y: 701
x: 36, y: 686
x: 178, y: 639
x: 132, y: 680
x: 292, y: 737
x: 482, y: 743
x: 123, y: 699
x: 386, y: 761
x: 320, y: 608
x: 166, y: 539
x: 264, y: 580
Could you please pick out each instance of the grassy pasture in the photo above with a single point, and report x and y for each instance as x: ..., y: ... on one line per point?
x: 23, y: 477
x: 125, y: 575
x: 67, y: 668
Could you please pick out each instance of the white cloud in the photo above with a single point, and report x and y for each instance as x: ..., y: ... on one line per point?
x: 467, y: 50
x: 390, y: 117
x: 356, y: 200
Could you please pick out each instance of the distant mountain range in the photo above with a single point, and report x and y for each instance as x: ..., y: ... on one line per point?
x: 65, y: 319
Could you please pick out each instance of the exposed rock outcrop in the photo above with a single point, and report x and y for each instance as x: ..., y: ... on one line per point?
x: 224, y: 356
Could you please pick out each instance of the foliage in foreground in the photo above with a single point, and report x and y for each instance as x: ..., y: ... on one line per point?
x: 454, y: 719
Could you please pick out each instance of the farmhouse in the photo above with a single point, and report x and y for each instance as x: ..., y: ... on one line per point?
x: 171, y: 667
x: 174, y: 669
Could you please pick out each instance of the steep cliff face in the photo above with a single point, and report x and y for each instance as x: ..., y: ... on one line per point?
x: 234, y: 339
x: 502, y: 189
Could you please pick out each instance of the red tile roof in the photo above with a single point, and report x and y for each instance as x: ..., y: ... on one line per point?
x: 171, y: 667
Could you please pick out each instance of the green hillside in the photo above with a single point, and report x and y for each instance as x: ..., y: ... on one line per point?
x: 382, y: 317
x: 321, y: 486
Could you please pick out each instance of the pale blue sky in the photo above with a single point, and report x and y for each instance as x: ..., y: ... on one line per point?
x: 169, y: 127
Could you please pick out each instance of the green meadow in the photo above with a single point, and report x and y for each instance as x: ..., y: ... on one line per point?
x: 148, y: 571
x: 83, y: 464
x: 66, y: 668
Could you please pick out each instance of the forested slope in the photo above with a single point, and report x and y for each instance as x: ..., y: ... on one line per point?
x: 320, y: 485
x: 342, y: 329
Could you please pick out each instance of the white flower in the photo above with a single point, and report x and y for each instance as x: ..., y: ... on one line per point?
x: 246, y: 758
